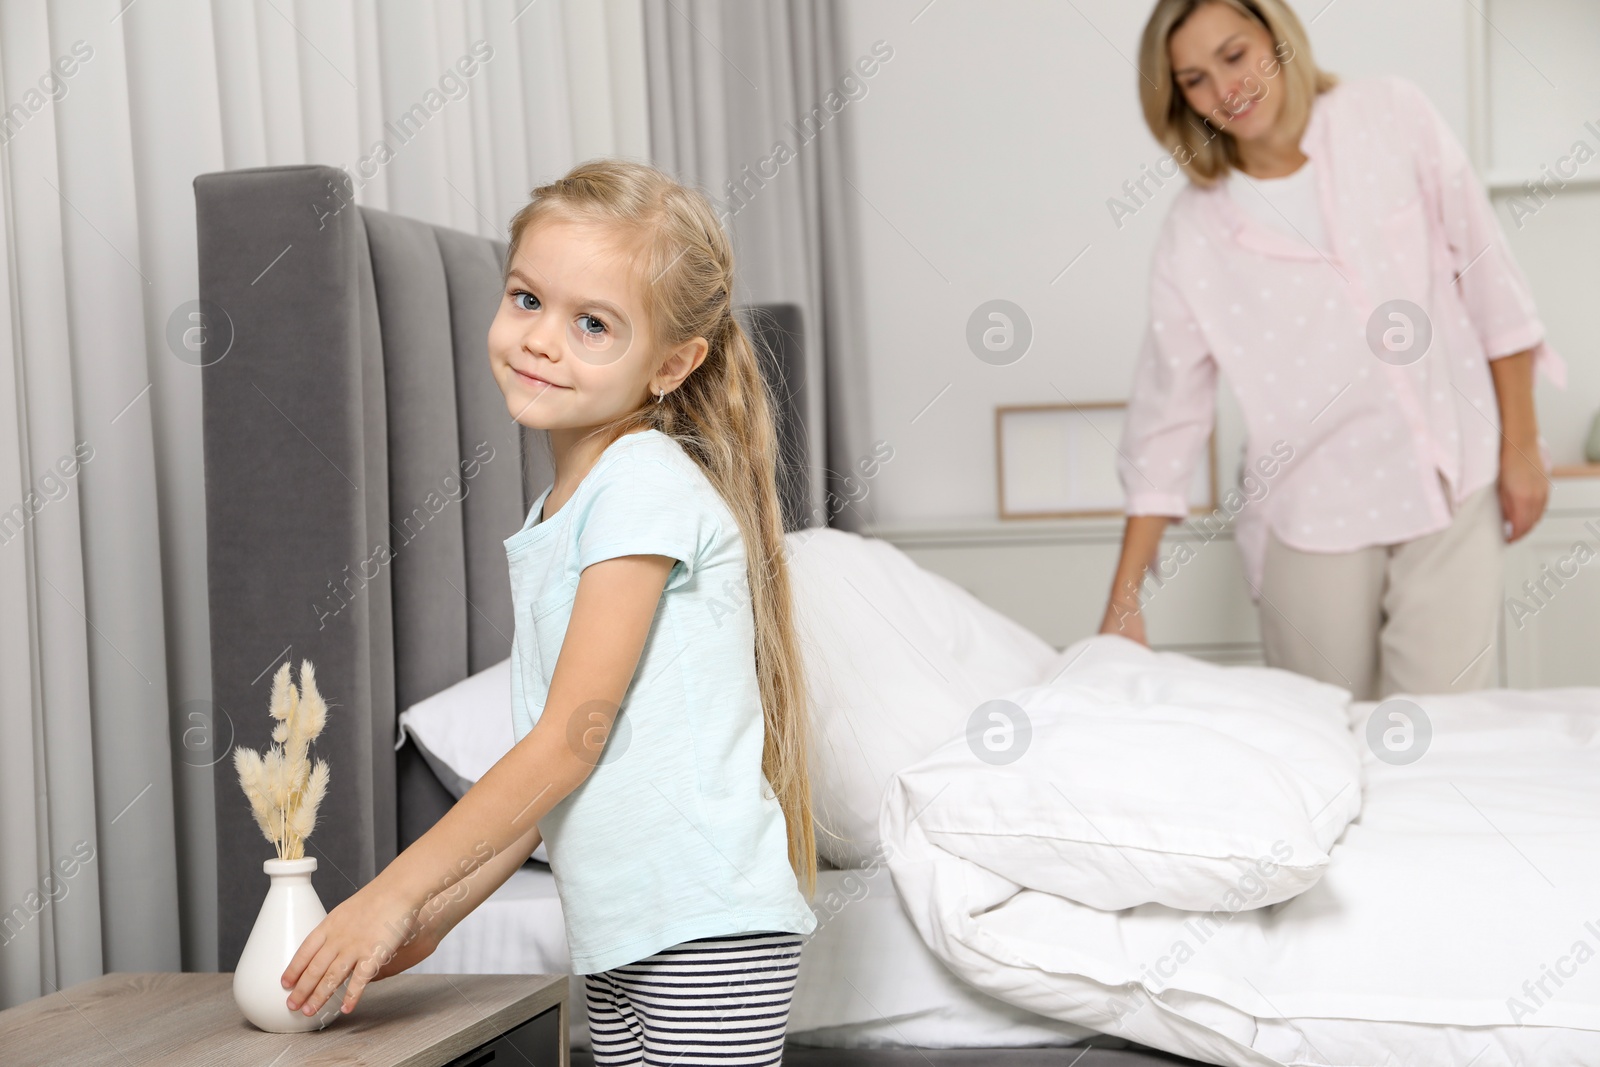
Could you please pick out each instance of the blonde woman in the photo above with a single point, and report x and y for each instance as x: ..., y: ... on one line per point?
x: 1335, y: 257
x: 661, y: 743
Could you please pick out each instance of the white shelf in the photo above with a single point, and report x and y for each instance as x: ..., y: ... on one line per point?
x: 1511, y: 182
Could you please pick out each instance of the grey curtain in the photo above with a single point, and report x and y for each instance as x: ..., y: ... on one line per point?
x: 108, y: 855
x: 746, y: 101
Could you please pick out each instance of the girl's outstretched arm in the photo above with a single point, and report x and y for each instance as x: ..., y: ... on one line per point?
x: 444, y: 910
x: 611, y: 616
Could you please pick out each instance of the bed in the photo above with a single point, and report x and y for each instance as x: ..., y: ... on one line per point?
x: 361, y: 475
x: 1234, y: 863
x: 1432, y: 900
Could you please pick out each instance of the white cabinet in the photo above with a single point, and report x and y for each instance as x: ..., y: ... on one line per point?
x: 1052, y: 575
x: 1550, y: 625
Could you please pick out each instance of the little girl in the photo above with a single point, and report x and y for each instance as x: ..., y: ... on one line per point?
x: 661, y: 746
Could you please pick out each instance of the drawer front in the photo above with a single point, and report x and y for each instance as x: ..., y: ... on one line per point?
x: 536, y: 1042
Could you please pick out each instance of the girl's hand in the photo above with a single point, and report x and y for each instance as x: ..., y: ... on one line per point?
x: 1524, y: 489
x: 371, y: 935
x: 412, y: 952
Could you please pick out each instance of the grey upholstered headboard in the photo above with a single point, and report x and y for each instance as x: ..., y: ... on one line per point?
x: 361, y: 475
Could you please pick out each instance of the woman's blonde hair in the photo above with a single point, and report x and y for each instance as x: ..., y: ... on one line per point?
x: 722, y: 416
x: 1204, y: 151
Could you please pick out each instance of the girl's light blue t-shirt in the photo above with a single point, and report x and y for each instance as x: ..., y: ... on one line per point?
x: 676, y: 833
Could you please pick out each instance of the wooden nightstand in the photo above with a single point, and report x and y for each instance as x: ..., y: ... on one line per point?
x: 190, y: 1020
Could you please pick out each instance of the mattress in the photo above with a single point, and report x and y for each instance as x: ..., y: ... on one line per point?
x: 866, y: 979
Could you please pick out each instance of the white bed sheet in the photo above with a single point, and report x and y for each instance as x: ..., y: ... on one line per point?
x: 866, y: 980
x: 1457, y: 921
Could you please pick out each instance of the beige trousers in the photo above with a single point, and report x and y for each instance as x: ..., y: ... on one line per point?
x: 1417, y: 617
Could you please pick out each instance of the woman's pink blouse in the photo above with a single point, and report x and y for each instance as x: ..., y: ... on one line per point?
x: 1380, y: 450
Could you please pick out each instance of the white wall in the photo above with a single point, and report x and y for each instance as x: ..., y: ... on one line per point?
x: 1541, y: 61
x: 985, y: 153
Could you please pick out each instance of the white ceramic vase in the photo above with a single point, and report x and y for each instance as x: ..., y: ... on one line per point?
x: 290, y: 912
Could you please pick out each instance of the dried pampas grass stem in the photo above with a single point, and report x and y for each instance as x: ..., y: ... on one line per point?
x: 283, y: 787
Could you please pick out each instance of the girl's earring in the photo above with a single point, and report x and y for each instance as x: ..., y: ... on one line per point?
x: 660, y: 393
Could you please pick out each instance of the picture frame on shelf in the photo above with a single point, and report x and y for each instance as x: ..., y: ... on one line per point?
x: 1059, y: 461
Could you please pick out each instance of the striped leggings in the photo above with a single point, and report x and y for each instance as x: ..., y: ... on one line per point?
x: 713, y: 1000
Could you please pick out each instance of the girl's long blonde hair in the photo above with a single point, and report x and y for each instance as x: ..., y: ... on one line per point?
x: 1205, y: 152
x: 722, y: 416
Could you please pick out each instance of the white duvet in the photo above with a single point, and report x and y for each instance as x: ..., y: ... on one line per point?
x: 1456, y: 919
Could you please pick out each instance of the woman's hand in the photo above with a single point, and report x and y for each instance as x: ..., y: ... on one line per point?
x: 1141, y: 540
x: 1524, y: 488
x: 1124, y: 618
x: 371, y: 935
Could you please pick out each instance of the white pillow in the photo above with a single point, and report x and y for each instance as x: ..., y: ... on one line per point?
x: 897, y: 659
x: 462, y: 731
x: 1135, y: 777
